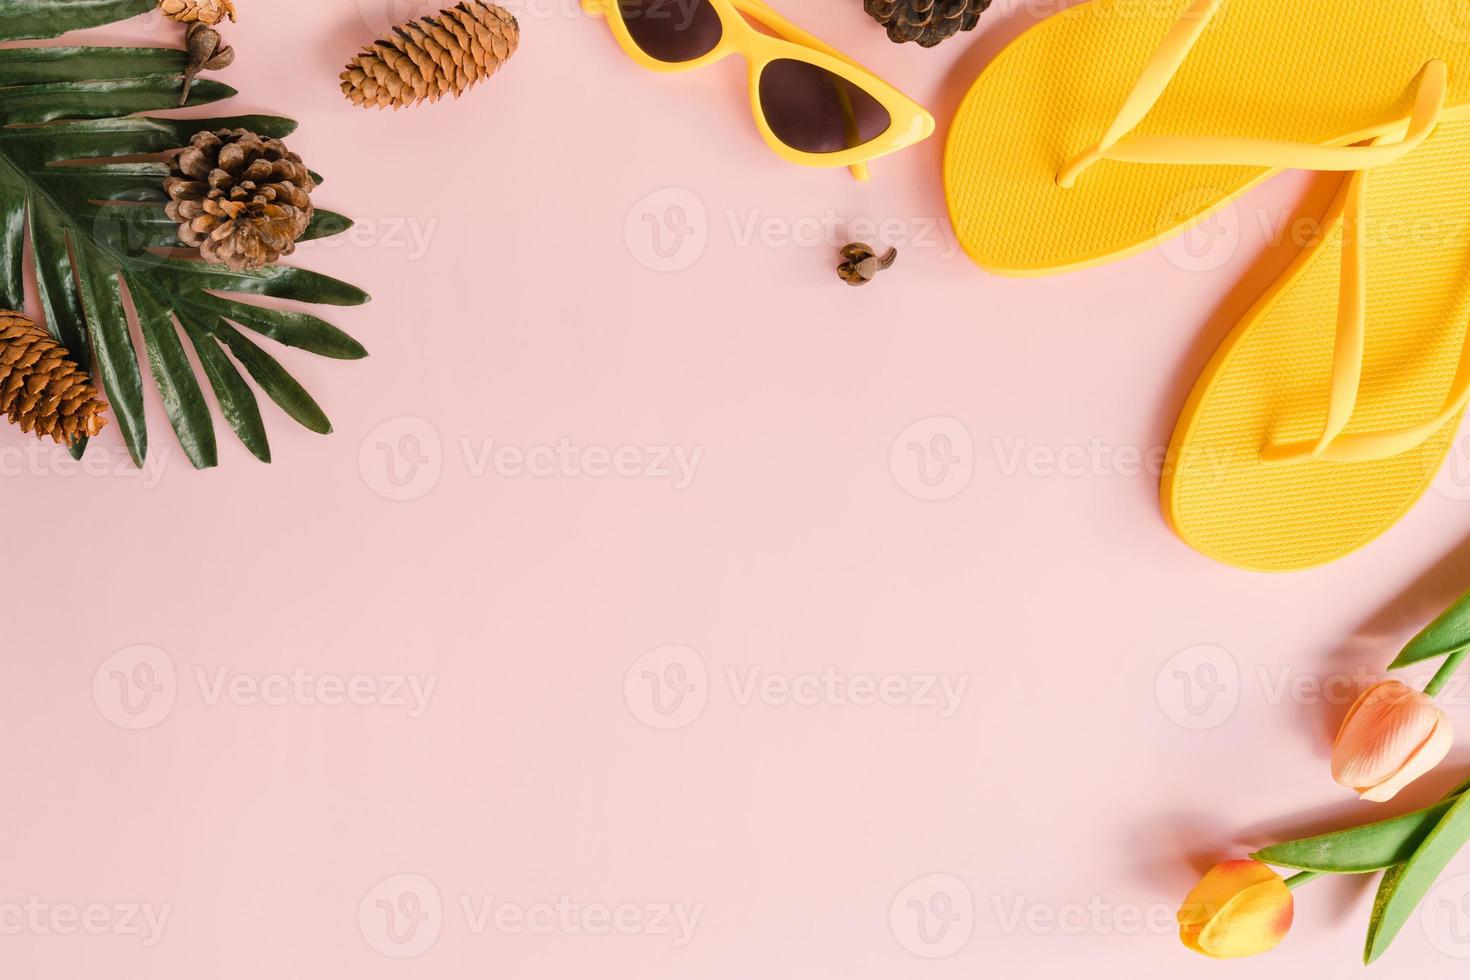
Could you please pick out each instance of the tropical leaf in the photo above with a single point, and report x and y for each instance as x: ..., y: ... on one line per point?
x: 25, y: 19
x: 1356, y: 850
x: 1448, y: 634
x: 81, y: 176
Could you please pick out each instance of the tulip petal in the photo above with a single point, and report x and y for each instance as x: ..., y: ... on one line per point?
x: 1392, y: 735
x: 1429, y: 754
x: 1239, y: 908
x: 1252, y: 922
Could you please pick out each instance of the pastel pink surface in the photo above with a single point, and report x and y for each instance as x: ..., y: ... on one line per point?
x: 583, y: 251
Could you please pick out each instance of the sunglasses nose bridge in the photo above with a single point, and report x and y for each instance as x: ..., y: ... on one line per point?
x: 595, y: 8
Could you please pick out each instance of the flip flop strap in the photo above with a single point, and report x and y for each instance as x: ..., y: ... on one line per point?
x: 1347, y: 364
x: 1117, y: 143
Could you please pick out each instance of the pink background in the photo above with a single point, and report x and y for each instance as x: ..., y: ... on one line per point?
x: 1130, y: 711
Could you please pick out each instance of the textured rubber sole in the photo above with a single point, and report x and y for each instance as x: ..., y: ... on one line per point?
x: 1318, y: 71
x: 1271, y: 379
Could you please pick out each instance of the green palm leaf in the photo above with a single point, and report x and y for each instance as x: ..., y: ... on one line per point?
x: 21, y: 19
x: 97, y: 231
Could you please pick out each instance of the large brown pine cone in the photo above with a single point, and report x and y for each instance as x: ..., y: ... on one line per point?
x: 240, y: 199
x: 42, y: 389
x: 432, y: 57
x: 926, y: 21
x: 198, y: 11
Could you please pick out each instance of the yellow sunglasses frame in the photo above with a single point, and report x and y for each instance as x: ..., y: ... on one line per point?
x: 909, y: 122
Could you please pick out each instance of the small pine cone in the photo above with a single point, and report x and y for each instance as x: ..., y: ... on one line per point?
x: 209, y: 12
x: 240, y: 199
x: 860, y: 263
x: 433, y: 56
x: 926, y: 21
x: 42, y: 389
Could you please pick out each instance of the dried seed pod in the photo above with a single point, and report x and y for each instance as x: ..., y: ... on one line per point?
x: 207, y: 52
x: 860, y: 263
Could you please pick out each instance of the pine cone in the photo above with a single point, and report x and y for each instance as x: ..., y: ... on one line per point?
x: 925, y: 21
x: 202, y: 11
x: 425, y: 59
x: 42, y: 389
x: 242, y: 200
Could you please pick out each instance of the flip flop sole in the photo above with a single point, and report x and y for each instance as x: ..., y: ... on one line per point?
x: 1313, y: 71
x: 1270, y: 380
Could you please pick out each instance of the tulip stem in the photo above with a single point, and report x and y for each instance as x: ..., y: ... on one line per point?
x: 1445, y: 672
x: 1302, y: 877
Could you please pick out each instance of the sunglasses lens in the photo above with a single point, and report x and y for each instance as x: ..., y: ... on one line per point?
x: 812, y: 110
x: 672, y: 30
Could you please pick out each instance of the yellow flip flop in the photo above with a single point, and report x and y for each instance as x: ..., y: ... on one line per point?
x: 1328, y: 410
x: 1117, y: 123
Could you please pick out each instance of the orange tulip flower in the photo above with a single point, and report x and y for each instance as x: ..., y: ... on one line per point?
x: 1239, y: 908
x: 1391, y: 736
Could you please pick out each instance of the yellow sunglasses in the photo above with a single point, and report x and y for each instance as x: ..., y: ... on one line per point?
x: 813, y: 105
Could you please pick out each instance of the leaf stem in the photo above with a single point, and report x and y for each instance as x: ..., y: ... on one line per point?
x: 1461, y: 788
x: 1302, y: 877
x: 1446, y: 671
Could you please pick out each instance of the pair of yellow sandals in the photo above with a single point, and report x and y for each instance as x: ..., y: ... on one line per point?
x: 1328, y: 410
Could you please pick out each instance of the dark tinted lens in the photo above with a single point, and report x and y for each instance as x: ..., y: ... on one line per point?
x: 672, y: 30
x: 813, y: 110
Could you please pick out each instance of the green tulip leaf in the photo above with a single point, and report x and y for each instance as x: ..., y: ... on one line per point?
x: 1357, y: 850
x: 1448, y: 634
x: 1403, y: 887
x: 105, y: 255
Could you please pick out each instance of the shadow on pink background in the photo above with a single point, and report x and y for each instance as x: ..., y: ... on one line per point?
x: 663, y: 608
